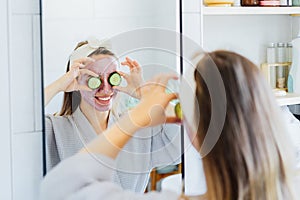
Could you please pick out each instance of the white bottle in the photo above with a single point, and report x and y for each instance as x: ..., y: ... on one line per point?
x: 294, y: 74
x: 271, y: 53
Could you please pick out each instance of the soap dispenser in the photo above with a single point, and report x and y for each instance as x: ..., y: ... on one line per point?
x: 294, y: 74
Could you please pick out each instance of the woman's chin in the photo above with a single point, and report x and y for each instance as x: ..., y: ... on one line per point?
x: 103, y: 107
x: 100, y: 107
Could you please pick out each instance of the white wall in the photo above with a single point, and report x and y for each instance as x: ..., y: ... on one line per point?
x: 5, y: 142
x: 20, y: 78
x: 21, y: 134
x: 246, y: 35
x: 70, y: 21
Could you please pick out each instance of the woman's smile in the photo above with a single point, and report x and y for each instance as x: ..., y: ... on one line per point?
x: 103, y: 100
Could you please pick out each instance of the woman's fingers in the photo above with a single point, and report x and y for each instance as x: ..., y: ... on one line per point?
x: 136, y: 64
x: 88, y: 72
x: 124, y: 75
x: 132, y: 64
x: 164, y: 78
x: 77, y: 66
x: 173, y: 120
x: 125, y: 63
x: 171, y: 96
x: 160, y: 81
x: 84, y: 61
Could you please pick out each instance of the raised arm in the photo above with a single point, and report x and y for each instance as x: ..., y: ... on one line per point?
x: 87, y: 175
x: 68, y: 82
x: 134, y: 82
x: 149, y: 112
x: 134, y: 79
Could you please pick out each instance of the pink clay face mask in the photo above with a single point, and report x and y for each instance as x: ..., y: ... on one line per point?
x: 102, y: 98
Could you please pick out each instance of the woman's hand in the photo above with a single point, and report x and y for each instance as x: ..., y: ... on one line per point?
x: 149, y: 112
x: 134, y: 79
x: 154, y: 100
x: 68, y: 82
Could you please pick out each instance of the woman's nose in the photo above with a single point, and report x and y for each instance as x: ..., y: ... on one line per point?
x: 107, y: 89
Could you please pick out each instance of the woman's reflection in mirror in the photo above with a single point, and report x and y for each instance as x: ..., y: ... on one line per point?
x: 87, y: 112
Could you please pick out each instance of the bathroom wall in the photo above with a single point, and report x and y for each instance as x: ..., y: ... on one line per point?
x: 20, y: 79
x: 229, y: 32
x: 64, y: 24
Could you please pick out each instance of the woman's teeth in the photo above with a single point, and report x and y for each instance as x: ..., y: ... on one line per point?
x: 103, y: 98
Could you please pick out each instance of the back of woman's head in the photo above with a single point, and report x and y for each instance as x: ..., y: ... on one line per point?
x: 71, y: 100
x: 250, y: 159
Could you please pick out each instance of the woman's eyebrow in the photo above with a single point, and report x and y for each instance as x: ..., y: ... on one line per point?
x: 107, y: 73
x: 111, y: 72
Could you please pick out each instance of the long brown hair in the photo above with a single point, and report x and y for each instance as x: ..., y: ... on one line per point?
x: 251, y: 158
x: 72, y: 99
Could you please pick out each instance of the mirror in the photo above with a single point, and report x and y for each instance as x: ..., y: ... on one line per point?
x: 141, y: 30
x: 69, y: 22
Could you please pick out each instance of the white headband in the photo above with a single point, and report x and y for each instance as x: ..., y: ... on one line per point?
x: 87, y: 49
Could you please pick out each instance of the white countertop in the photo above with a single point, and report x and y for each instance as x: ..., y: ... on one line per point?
x: 288, y: 99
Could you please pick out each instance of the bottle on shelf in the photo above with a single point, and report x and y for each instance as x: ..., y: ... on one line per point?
x: 218, y: 3
x: 269, y: 3
x: 294, y: 73
x: 237, y: 3
x: 276, y: 69
x: 281, y: 53
x: 250, y: 2
x: 280, y: 77
x: 271, y: 53
x: 271, y: 59
x: 285, y: 2
x: 289, y: 52
x: 296, y: 2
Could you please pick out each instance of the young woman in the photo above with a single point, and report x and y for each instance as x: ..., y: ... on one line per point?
x: 250, y: 160
x: 87, y: 113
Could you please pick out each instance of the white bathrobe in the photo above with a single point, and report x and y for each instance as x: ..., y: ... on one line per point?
x: 149, y: 148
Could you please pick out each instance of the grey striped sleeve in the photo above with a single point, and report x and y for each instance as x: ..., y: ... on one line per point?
x: 52, y: 156
x: 165, y: 149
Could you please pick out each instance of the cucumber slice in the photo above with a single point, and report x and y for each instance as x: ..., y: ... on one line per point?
x: 94, y: 83
x: 115, y: 79
x: 178, y: 111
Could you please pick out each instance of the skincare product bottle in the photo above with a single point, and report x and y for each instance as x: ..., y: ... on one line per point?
x: 271, y: 53
x: 281, y: 52
x: 289, y: 52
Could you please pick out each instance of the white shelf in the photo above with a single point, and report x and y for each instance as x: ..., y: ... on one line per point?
x: 251, y: 10
x: 289, y: 99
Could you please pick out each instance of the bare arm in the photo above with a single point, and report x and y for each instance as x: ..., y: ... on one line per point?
x: 68, y: 82
x: 134, y: 79
x: 52, y: 90
x: 89, y: 177
x: 149, y: 112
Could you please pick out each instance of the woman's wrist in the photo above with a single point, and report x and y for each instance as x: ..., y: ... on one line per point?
x: 138, y: 94
x: 60, y: 84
